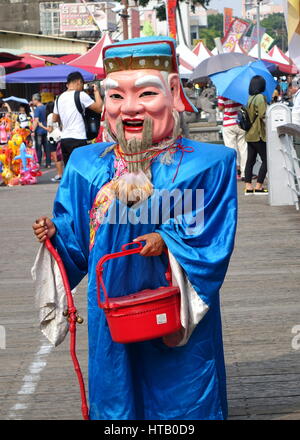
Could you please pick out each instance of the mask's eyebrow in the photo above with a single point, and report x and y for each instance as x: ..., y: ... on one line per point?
x: 110, y: 84
x: 150, y: 80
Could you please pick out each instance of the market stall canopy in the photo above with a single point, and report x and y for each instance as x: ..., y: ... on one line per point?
x: 15, y: 64
x: 184, y: 73
x: 186, y: 57
x: 51, y: 74
x: 92, y: 59
x: 285, y: 62
x: 282, y: 65
x: 32, y: 60
x: 201, y: 52
x: 39, y: 60
x: 6, y: 57
x: 68, y: 58
x: 237, y: 48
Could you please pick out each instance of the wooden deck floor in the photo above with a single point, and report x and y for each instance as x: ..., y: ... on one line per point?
x: 260, y: 306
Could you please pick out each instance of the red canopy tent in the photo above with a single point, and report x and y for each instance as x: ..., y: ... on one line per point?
x: 92, y: 60
x: 11, y: 62
x: 237, y: 48
x: 201, y: 51
x: 285, y: 63
x: 39, y: 60
x: 68, y: 58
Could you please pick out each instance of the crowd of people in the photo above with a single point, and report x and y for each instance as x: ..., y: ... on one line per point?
x: 56, y: 127
x: 252, y: 143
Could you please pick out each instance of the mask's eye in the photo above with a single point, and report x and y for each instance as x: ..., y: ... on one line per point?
x: 148, y: 94
x: 115, y: 96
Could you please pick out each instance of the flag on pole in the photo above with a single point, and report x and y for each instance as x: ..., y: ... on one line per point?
x: 171, y: 17
x: 228, y: 13
x: 266, y: 41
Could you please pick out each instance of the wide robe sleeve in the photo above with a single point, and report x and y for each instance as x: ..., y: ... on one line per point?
x: 203, y: 249
x: 74, y: 199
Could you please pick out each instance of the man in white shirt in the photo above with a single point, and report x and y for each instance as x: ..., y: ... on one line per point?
x: 65, y: 110
x: 296, y: 101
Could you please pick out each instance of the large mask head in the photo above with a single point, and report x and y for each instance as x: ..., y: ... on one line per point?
x: 142, y: 88
x: 143, y: 96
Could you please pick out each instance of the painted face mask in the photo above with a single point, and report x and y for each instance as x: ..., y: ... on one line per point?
x: 143, y: 98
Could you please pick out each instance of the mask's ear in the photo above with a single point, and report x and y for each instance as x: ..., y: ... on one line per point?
x: 174, y: 83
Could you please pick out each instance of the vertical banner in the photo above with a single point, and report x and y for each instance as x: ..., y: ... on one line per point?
x: 266, y: 42
x: 247, y: 43
x: 171, y: 17
x: 228, y: 15
x: 293, y: 26
x: 262, y: 31
x: 237, y: 29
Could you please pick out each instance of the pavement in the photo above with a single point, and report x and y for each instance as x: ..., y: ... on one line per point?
x: 260, y: 307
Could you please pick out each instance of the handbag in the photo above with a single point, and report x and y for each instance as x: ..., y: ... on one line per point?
x: 90, y: 118
x: 140, y: 316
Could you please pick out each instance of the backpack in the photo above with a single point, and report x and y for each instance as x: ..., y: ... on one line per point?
x: 243, y: 118
x: 91, y: 119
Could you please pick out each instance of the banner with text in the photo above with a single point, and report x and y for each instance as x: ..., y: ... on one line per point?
x: 266, y: 42
x: 228, y: 17
x: 79, y: 17
x: 171, y: 17
x: 237, y: 29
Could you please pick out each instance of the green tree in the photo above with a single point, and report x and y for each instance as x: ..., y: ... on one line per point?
x: 213, y: 30
x: 276, y: 28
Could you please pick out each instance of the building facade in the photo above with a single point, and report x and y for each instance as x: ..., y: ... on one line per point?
x: 268, y: 7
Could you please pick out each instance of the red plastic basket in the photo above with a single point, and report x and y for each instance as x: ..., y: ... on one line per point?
x: 143, y: 315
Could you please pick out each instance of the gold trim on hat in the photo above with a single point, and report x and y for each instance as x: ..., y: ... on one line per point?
x: 157, y: 62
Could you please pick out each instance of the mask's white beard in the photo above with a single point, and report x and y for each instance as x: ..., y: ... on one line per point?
x: 135, y: 186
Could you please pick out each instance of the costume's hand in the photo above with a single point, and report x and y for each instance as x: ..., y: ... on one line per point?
x: 174, y: 338
x: 43, y: 228
x: 154, y: 244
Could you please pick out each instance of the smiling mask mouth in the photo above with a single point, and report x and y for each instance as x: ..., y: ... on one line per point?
x: 133, y: 123
x: 134, y: 149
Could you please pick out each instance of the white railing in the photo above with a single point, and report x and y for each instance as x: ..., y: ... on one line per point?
x: 283, y: 163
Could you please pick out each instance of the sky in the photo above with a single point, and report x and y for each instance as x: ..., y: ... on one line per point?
x: 235, y: 4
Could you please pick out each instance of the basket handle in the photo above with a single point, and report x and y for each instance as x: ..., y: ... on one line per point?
x: 100, y: 266
x: 123, y: 253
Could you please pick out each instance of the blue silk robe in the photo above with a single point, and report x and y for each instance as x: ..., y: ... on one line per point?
x: 149, y: 380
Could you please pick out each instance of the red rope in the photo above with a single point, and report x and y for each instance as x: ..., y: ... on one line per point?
x: 72, y: 320
x: 175, y: 147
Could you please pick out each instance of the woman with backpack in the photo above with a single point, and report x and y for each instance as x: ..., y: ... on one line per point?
x: 256, y: 135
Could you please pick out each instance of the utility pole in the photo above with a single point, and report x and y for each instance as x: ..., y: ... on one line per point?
x: 124, y: 15
x: 258, y: 28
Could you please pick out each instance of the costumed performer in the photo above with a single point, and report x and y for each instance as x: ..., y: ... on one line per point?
x: 180, y: 376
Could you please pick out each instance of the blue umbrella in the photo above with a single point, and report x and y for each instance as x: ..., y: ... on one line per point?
x: 234, y: 83
x: 52, y: 74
